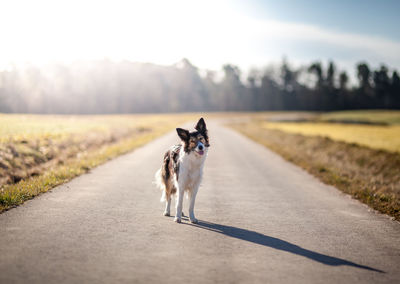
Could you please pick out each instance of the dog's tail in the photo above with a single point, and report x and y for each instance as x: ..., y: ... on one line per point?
x: 160, y: 183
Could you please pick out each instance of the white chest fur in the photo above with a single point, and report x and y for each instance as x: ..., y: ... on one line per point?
x: 191, y: 170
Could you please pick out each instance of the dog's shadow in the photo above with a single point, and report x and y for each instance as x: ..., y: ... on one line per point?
x: 267, y: 241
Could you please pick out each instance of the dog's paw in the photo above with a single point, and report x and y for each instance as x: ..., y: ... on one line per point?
x: 166, y: 214
x: 177, y: 220
x: 194, y: 221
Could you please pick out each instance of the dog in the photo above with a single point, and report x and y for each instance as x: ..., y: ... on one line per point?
x: 182, y: 169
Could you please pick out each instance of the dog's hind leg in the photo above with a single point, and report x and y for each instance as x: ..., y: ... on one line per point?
x: 167, y: 211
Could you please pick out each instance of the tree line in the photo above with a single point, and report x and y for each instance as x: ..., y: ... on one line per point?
x: 128, y: 87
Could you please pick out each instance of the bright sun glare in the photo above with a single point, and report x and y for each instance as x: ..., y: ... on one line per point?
x: 149, y: 31
x: 208, y: 33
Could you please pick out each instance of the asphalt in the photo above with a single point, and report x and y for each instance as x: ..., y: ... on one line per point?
x: 262, y: 220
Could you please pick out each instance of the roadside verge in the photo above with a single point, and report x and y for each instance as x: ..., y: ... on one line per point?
x: 371, y: 176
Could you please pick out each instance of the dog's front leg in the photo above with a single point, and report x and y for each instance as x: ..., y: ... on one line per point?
x: 179, y: 202
x: 191, y: 206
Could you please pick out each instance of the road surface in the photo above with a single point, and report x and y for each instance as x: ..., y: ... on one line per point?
x: 262, y: 220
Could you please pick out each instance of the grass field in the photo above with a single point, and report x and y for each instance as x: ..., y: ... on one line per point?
x: 373, y: 136
x: 361, y: 160
x: 38, y: 152
x: 374, y: 116
x: 16, y: 127
x: 375, y: 129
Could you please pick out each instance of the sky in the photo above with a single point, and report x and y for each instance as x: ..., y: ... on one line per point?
x: 249, y: 34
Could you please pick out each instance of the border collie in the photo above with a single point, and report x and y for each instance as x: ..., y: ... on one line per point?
x: 182, y: 169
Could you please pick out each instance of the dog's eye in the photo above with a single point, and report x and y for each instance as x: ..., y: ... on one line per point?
x: 202, y: 139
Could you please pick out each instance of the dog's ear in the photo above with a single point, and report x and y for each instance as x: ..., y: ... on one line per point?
x: 183, y: 134
x: 201, y: 126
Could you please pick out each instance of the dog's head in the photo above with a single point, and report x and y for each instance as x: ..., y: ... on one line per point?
x: 196, y: 141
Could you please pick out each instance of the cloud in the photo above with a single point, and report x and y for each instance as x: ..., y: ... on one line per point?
x: 381, y: 47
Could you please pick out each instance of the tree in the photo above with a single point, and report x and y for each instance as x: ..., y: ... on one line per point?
x: 190, y: 88
x: 382, y: 87
x: 253, y: 91
x: 330, y: 76
x: 344, y: 98
x: 343, y: 80
x: 270, y: 97
x: 322, y: 99
x: 364, y: 76
x: 364, y: 94
x: 395, y: 91
x: 290, y: 86
x: 316, y: 68
x: 233, y: 89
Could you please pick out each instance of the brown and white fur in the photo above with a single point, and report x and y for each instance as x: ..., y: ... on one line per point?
x: 182, y: 169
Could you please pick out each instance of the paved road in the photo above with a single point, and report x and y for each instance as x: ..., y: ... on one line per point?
x: 262, y: 220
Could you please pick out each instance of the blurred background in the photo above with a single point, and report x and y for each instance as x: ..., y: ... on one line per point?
x: 95, y: 57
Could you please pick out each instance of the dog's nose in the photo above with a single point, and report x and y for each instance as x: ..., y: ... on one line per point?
x: 200, y: 147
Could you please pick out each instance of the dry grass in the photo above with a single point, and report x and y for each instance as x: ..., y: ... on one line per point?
x: 388, y: 117
x: 40, y: 152
x: 372, y: 176
x: 373, y: 136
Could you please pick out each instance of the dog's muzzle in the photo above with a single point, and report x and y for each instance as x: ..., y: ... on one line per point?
x: 200, y: 148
